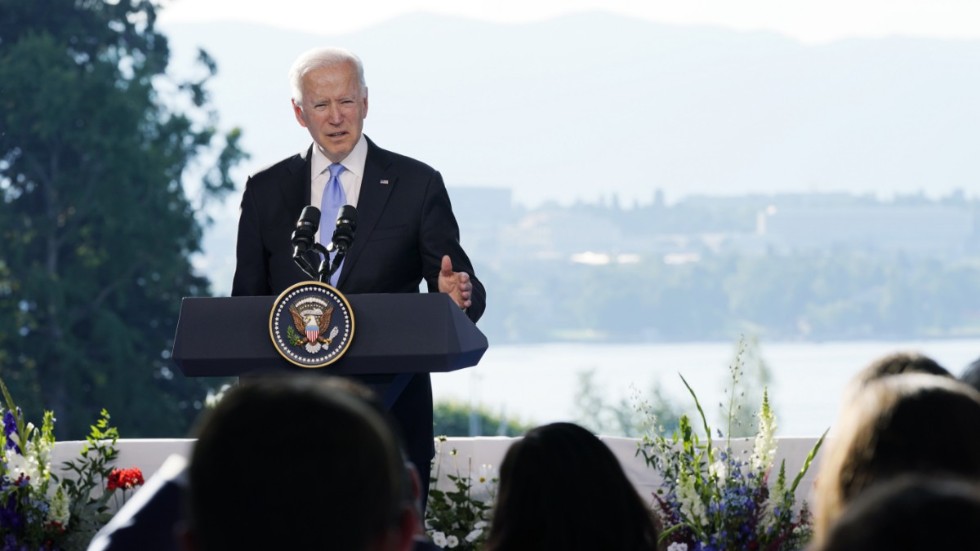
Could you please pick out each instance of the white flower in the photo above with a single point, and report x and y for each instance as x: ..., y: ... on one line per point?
x: 719, y: 470
x: 452, y: 541
x: 481, y: 524
x: 439, y: 539
x: 471, y: 537
x: 687, y: 495
x: 483, y: 481
x: 677, y: 547
x: 18, y: 465
x: 764, y: 450
x: 59, y: 511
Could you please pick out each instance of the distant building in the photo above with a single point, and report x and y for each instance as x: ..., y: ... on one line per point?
x: 560, y: 233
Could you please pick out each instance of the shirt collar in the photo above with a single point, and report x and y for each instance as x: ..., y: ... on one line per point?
x: 354, y: 162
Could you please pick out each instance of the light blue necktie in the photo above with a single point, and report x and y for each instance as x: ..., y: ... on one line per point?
x: 333, y: 198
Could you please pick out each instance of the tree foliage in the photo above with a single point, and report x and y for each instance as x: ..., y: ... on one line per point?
x: 818, y: 295
x: 619, y: 416
x: 456, y: 419
x: 96, y: 229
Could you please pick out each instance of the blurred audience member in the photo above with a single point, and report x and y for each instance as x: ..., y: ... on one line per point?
x: 915, y: 423
x: 297, y: 463
x: 562, y: 488
x: 148, y: 520
x: 909, y: 514
x: 898, y: 363
x: 972, y: 374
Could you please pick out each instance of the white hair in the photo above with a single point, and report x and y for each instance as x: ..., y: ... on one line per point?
x: 318, y: 58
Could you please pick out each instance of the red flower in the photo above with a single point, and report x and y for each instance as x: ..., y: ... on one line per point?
x: 56, y: 527
x: 125, y: 479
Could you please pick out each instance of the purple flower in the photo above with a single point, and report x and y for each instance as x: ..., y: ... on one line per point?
x: 10, y: 544
x: 10, y: 427
x: 10, y: 517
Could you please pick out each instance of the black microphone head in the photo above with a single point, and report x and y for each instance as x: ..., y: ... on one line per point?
x: 303, y: 236
x: 310, y: 215
x: 343, y: 234
x: 347, y: 215
x: 307, y: 225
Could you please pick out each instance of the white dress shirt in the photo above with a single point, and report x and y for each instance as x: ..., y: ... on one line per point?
x: 350, y: 178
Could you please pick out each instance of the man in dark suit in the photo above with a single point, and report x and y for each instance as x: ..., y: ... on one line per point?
x: 406, y: 229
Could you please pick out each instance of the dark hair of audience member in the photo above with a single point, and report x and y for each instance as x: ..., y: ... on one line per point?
x: 562, y: 488
x: 909, y: 514
x: 895, y: 363
x: 971, y: 375
x: 296, y: 463
x: 915, y: 423
x: 898, y: 363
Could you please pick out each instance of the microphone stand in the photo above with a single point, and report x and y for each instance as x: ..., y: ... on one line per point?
x: 327, y: 270
x: 305, y: 263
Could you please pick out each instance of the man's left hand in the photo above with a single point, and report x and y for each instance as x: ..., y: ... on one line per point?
x: 455, y: 284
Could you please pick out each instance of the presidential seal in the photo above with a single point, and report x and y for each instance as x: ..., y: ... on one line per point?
x: 311, y: 324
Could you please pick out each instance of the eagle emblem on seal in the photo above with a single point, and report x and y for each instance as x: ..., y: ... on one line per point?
x: 311, y: 324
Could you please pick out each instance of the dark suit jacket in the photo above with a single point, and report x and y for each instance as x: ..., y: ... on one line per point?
x: 405, y: 226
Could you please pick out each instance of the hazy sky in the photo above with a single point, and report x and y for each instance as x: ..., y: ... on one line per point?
x: 806, y: 20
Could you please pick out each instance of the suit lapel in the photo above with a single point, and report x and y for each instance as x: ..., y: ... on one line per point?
x: 376, y: 187
x: 296, y: 188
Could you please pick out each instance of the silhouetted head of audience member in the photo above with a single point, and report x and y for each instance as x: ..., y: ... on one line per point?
x: 971, y: 375
x: 562, y: 488
x: 297, y: 463
x: 909, y: 514
x: 912, y: 424
x: 899, y: 363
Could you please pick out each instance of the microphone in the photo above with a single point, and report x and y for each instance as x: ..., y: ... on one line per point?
x: 303, y: 238
x: 343, y: 234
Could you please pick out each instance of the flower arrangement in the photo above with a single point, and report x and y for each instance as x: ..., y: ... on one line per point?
x: 123, y: 481
x: 713, y: 498
x: 458, y: 518
x: 40, y: 510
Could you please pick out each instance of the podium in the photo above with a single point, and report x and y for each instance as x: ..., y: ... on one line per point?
x: 393, y: 333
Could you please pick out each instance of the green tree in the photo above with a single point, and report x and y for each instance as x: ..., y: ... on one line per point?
x: 96, y: 228
x: 631, y: 417
x: 456, y: 419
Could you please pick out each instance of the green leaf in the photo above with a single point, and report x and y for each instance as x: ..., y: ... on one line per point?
x: 704, y: 419
x: 809, y: 459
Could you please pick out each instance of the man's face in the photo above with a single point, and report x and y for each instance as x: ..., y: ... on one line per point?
x: 333, y: 109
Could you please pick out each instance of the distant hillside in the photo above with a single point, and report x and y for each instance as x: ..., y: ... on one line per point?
x: 591, y: 104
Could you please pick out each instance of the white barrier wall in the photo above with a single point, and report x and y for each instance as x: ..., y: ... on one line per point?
x: 470, y: 457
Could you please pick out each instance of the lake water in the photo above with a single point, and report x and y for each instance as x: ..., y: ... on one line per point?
x: 537, y: 383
